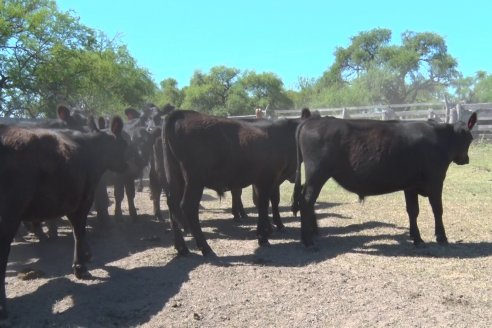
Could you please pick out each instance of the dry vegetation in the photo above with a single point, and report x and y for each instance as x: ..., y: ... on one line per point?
x: 366, y: 273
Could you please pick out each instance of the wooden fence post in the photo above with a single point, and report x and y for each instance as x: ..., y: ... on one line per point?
x: 459, y: 112
x: 345, y: 113
x: 389, y: 114
x: 447, y: 118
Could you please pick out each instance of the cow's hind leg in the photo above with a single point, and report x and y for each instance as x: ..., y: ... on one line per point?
x: 176, y: 219
x: 412, y: 203
x: 310, y: 193
x: 237, y: 205
x: 155, y: 194
x: 119, y: 193
x: 189, y: 205
x: 275, y: 200
x: 101, y: 201
x: 264, y: 228
x: 130, y: 196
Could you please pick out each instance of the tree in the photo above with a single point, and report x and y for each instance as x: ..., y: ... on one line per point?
x: 227, y: 91
x: 483, y: 88
x: 419, y: 68
x: 266, y: 91
x: 169, y: 93
x: 207, y: 93
x: 47, y: 57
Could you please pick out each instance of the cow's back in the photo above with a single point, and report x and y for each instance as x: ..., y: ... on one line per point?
x: 224, y: 153
x: 375, y: 157
x: 52, y: 172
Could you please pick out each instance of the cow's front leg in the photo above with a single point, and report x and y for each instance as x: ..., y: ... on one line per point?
x: 264, y: 228
x: 8, y: 228
x: 82, y: 253
x: 412, y: 203
x: 435, y: 200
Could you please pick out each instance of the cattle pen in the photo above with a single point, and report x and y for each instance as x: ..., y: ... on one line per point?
x: 366, y: 272
x: 441, y: 112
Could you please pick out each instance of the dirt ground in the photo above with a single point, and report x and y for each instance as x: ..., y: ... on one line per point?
x: 365, y: 274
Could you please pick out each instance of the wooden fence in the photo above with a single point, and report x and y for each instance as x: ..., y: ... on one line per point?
x: 440, y: 112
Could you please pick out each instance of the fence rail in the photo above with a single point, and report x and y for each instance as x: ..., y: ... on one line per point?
x: 441, y: 112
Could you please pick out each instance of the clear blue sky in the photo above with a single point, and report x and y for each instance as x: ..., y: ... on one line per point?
x: 289, y: 38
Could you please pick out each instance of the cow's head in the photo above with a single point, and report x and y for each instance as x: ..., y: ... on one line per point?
x: 116, y: 148
x: 464, y: 138
x: 63, y: 113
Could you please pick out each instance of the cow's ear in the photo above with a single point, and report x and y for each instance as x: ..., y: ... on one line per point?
x: 63, y: 112
x: 92, y: 124
x: 472, y: 121
x: 101, y: 122
x: 305, y: 113
x: 117, y: 125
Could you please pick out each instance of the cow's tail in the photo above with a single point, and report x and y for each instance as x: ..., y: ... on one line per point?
x: 296, y: 195
x: 172, y: 174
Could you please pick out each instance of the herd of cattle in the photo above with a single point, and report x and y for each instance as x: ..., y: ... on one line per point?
x: 61, y: 168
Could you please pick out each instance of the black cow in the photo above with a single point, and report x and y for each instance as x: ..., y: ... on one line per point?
x: 222, y: 154
x: 46, y: 174
x: 237, y: 204
x: 66, y: 120
x: 378, y: 157
x: 123, y: 182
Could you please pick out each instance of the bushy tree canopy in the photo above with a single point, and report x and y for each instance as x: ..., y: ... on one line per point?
x: 47, y: 57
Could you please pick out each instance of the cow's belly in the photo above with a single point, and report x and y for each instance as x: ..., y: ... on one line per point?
x: 224, y: 183
x: 376, y: 184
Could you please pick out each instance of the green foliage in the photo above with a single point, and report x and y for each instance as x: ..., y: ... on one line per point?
x: 483, y: 88
x: 169, y: 93
x: 47, y: 57
x: 227, y: 91
x: 370, y: 70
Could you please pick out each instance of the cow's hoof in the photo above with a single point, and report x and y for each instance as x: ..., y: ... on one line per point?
x: 419, y: 243
x: 281, y: 228
x: 209, y: 254
x: 118, y: 213
x: 103, y: 217
x: 133, y: 215
x: 442, y: 240
x: 81, y: 272
x: 263, y: 241
x: 183, y: 251
x: 206, y: 250
x: 5, y: 322
x: 311, y: 248
x: 3, y: 316
x: 52, y: 236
